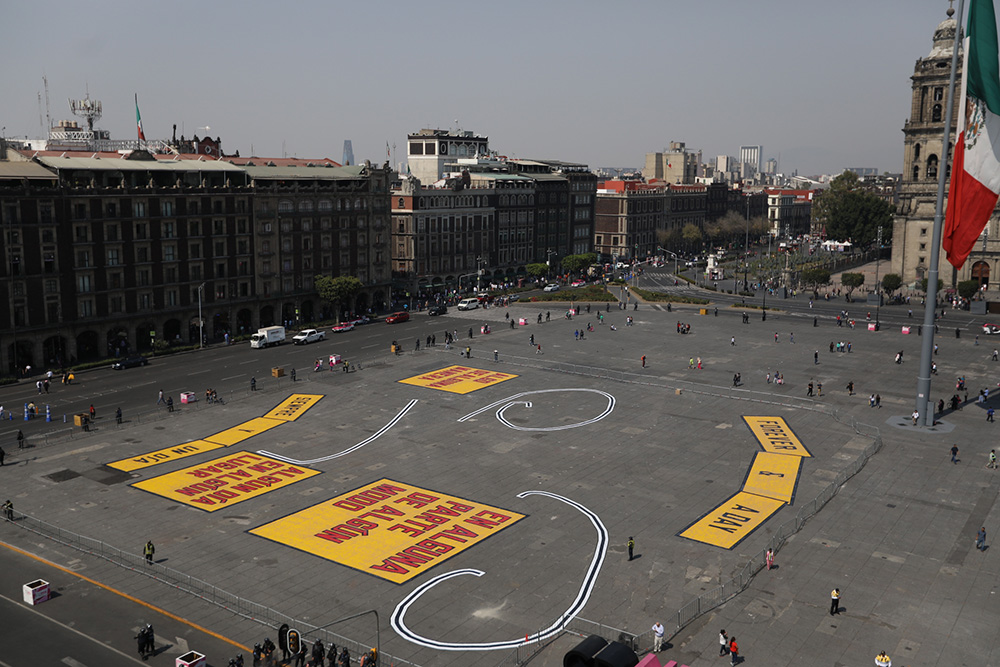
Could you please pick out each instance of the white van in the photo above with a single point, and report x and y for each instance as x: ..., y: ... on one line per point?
x: 468, y: 304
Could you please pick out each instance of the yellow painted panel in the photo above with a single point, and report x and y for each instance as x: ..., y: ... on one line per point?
x: 225, y: 481
x: 389, y: 529
x: 776, y: 436
x: 163, y: 455
x: 458, y: 379
x: 773, y: 476
x: 732, y: 521
x: 248, y: 429
x: 293, y: 407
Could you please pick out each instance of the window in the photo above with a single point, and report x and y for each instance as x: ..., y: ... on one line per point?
x: 194, y: 251
x: 220, y: 270
x: 307, y: 225
x: 80, y: 211
x: 242, y: 247
x: 169, y: 253
x: 244, y: 288
x: 243, y: 267
x: 116, y: 304
x: 241, y: 205
x: 172, y: 297
x: 142, y: 278
x: 220, y: 291
x: 305, y: 206
x: 81, y: 233
x: 115, y: 279
x: 936, y: 114
x: 196, y: 272
x: 170, y: 274
x: 216, y: 206
x: 82, y: 259
x: 51, y: 286
x: 139, y: 209
x: 86, y: 308
x: 220, y: 248
x: 142, y: 254
x: 241, y: 226
x: 168, y: 208
x: 194, y: 228
x: 218, y: 227
x: 145, y: 300
x: 45, y: 213
x: 83, y: 283
x: 111, y: 210
x: 168, y: 230
x: 140, y: 231
x: 113, y: 257
x: 48, y: 236
x: 285, y: 206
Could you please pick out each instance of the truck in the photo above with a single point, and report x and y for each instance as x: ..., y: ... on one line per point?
x: 267, y: 336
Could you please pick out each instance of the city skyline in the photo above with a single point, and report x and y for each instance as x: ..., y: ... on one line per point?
x: 821, y: 90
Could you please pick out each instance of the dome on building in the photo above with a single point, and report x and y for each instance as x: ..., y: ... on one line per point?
x: 944, y: 39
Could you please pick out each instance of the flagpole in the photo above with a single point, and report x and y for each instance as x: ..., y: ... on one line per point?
x: 924, y: 402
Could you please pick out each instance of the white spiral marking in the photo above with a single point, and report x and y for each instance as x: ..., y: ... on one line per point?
x: 371, y: 438
x: 586, y: 588
x: 512, y: 400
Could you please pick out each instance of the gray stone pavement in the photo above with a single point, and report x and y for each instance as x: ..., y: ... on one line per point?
x: 897, y: 539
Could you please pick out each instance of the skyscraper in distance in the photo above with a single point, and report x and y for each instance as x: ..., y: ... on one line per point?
x: 348, y: 153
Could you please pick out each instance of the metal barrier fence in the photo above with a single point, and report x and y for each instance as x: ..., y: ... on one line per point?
x: 739, y: 582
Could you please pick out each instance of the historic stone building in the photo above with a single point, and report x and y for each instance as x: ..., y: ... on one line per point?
x: 923, y: 158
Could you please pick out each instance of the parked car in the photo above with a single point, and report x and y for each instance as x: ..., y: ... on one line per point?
x: 358, y: 321
x: 307, y: 336
x: 129, y: 362
x: 991, y: 329
x: 343, y: 326
x: 551, y: 288
x: 395, y: 318
x: 437, y: 310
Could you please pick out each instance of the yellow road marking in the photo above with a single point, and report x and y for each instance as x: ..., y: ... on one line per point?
x: 458, y: 379
x: 163, y: 455
x: 774, y: 476
x: 389, y: 529
x: 732, y: 521
x: 776, y: 436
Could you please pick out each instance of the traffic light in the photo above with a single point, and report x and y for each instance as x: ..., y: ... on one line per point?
x: 294, y: 642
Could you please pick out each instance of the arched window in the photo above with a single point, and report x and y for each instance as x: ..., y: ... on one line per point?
x: 932, y: 166
x: 916, y: 172
x: 916, y: 151
x: 400, y: 205
x: 936, y: 114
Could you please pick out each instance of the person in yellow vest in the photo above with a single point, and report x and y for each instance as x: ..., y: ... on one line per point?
x: 882, y: 660
x: 631, y: 546
x: 835, y: 601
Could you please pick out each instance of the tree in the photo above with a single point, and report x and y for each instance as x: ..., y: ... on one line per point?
x: 539, y: 270
x: 578, y: 263
x: 337, y: 290
x: 847, y: 211
x: 815, y: 277
x: 968, y: 288
x: 852, y: 281
x: 923, y: 285
x: 691, y: 234
x: 891, y: 282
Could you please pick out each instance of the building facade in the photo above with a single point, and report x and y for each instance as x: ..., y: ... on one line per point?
x: 923, y: 157
x: 676, y: 165
x: 429, y: 150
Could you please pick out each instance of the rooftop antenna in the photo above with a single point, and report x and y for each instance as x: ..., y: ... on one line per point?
x: 88, y: 109
x: 40, y: 121
x: 48, y: 118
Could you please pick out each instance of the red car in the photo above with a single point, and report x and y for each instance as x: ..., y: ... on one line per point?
x: 397, y: 317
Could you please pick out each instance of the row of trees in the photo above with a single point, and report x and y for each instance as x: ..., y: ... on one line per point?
x: 848, y: 211
x: 732, y: 228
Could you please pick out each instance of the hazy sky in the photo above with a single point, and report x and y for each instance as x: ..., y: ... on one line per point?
x: 822, y: 84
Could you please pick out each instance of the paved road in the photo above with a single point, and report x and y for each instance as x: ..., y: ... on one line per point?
x: 86, y: 625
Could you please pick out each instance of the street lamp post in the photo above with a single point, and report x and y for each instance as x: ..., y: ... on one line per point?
x: 201, y: 321
x: 746, y: 244
x: 878, y: 291
x: 675, y: 258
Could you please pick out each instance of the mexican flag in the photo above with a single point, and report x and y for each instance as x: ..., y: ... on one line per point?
x: 138, y: 119
x: 975, y: 170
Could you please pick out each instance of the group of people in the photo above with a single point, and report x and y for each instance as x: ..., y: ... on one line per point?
x: 683, y: 328
x: 778, y: 378
x: 841, y: 346
x: 145, y: 640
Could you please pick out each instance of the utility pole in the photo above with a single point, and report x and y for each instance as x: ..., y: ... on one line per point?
x: 878, y: 290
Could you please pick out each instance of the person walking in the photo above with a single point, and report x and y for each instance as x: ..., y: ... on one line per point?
x: 148, y: 552
x: 915, y: 416
x: 882, y: 660
x: 496, y: 356
x: 118, y: 416
x: 989, y: 414
x: 20, y: 439
x: 769, y: 558
x: 657, y: 637
x: 723, y: 642
x: 170, y: 403
x: 816, y: 357
x: 468, y: 352
x: 140, y: 640
x: 8, y: 510
x: 253, y: 383
x: 954, y: 453
x: 734, y: 651
x: 981, y: 539
x: 538, y: 349
x: 992, y: 460
x: 93, y: 412
x: 850, y: 388
x: 631, y: 546
x: 691, y: 363
x: 160, y: 399
x: 809, y: 390
x: 835, y: 601
x: 878, y: 401
x: 996, y: 352
x: 643, y: 358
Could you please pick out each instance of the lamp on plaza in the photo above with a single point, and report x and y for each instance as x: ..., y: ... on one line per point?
x: 746, y: 244
x: 878, y: 289
x: 201, y: 321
